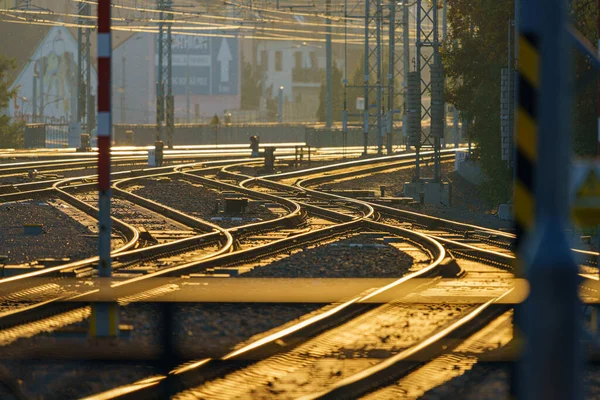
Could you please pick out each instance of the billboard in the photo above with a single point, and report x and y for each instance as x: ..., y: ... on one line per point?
x: 204, y: 65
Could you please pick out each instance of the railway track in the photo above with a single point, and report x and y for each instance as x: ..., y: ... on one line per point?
x: 131, y: 259
x: 353, y: 215
x: 278, y: 376
x: 233, y: 386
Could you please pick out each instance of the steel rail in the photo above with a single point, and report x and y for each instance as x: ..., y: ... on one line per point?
x: 182, y: 375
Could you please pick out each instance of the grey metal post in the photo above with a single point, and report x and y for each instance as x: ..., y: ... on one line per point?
x: 455, y: 120
x: 187, y: 91
x: 418, y: 69
x: 83, y: 106
x: 367, y: 77
x: 406, y: 50
x: 328, y: 70
x: 552, y: 363
x: 123, y: 83
x: 445, y: 20
x: 160, y: 101
x: 170, y: 108
x: 280, y: 114
x: 345, y: 82
x: 42, y: 93
x: 34, y: 94
x: 509, y: 87
x: 379, y: 82
x: 436, y: 62
x: 444, y: 37
x: 391, y: 76
x: 79, y: 78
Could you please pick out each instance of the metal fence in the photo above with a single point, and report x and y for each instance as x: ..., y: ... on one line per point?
x: 50, y: 136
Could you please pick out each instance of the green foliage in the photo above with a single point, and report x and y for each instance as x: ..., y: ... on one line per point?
x: 11, y: 133
x: 252, y: 86
x: 356, y: 83
x: 272, y: 104
x: 254, y: 89
x: 337, y: 98
x: 475, y: 53
x: 585, y: 102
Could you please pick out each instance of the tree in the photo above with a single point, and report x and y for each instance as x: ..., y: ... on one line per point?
x: 11, y: 133
x: 253, y: 84
x: 474, y: 54
x: 337, y: 98
x: 585, y: 102
x: 356, y: 89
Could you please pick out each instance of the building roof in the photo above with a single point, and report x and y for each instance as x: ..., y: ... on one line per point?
x: 20, y: 41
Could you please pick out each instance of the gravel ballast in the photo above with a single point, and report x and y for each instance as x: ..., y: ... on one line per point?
x: 468, y: 204
x: 199, y: 201
x: 61, y: 235
x: 359, y: 256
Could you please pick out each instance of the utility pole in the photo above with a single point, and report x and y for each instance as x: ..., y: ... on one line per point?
x: 379, y: 102
x: 391, y: 75
x: 406, y: 59
x: 104, y: 136
x: 164, y: 102
x: 328, y: 69
x: 280, y: 106
x: 345, y: 83
x: 397, y: 66
x: 372, y: 116
x: 83, y: 105
x: 428, y: 38
x: 552, y: 361
x: 123, y: 83
x: 187, y: 91
x: 34, y: 98
x: 42, y: 73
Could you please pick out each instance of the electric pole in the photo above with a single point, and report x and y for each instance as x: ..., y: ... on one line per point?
x: 165, y: 106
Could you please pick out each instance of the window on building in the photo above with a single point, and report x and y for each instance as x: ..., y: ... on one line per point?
x: 8, y: 3
x: 298, y: 60
x: 264, y: 59
x: 314, y: 63
x: 278, y: 61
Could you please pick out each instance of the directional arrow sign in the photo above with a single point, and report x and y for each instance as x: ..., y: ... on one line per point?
x: 586, y: 194
x: 224, y: 57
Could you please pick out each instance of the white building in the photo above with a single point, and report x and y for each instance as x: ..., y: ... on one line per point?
x: 46, y: 84
x: 298, y: 67
x: 206, y: 78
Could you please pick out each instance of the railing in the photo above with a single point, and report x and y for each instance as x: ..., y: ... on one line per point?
x: 50, y: 136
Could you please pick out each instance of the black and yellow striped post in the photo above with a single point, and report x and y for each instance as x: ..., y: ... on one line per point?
x: 549, y: 320
x: 525, y: 171
x: 526, y: 139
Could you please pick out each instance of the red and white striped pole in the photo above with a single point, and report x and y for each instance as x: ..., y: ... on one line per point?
x: 104, y: 135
